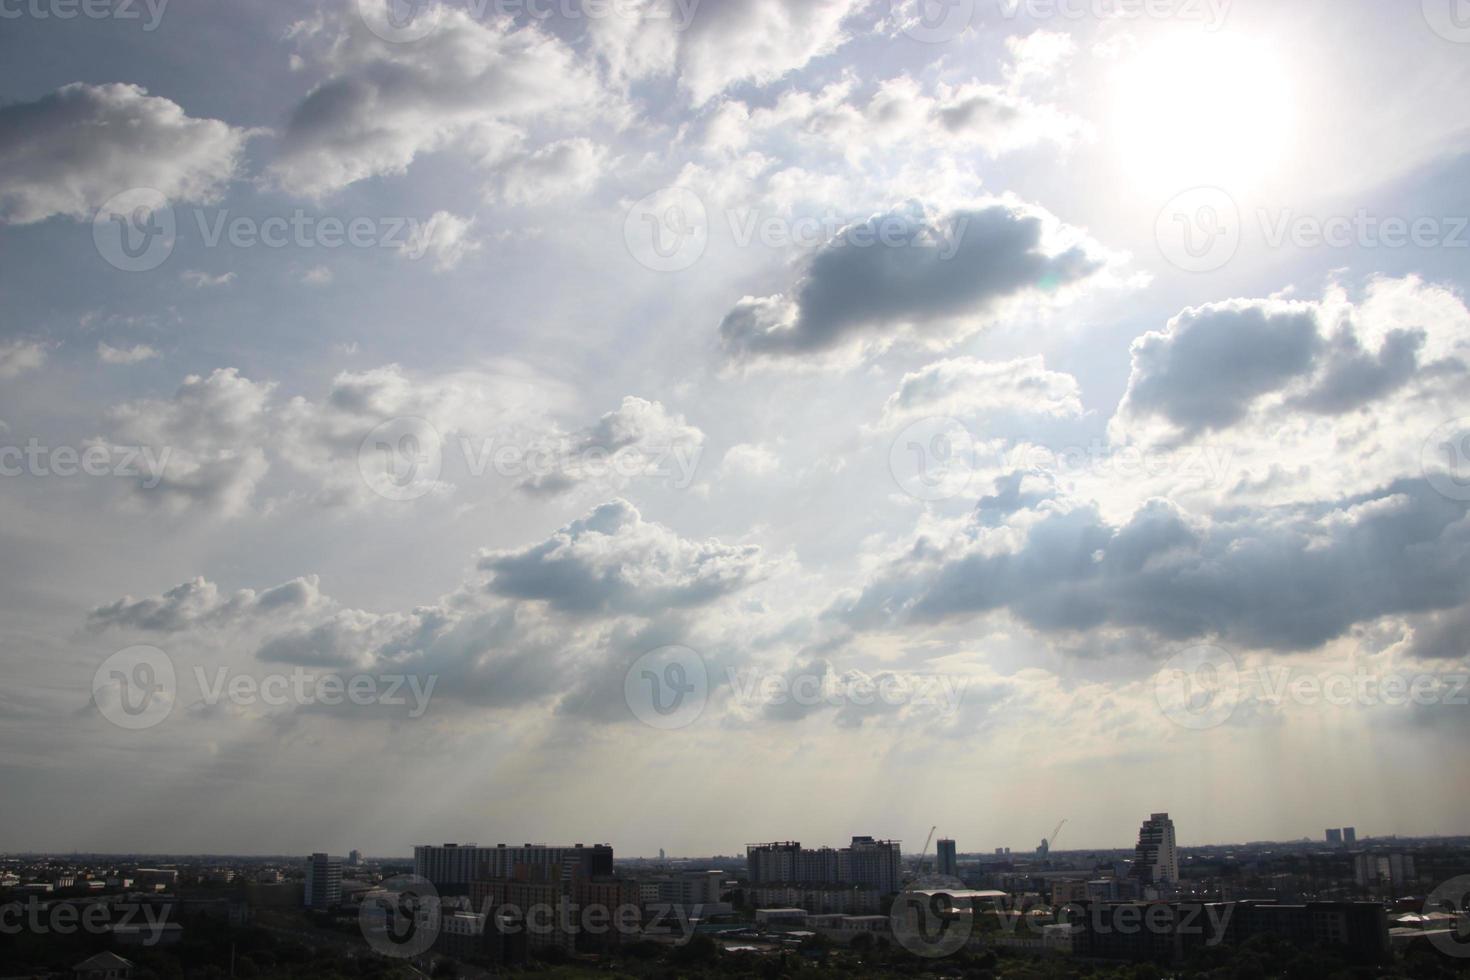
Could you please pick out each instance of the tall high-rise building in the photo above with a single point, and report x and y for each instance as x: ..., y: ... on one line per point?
x: 866, y: 861
x: 949, y: 864
x: 1156, y: 859
x: 1350, y: 836
x: 1334, y: 836
x: 323, y: 881
x: 354, y: 858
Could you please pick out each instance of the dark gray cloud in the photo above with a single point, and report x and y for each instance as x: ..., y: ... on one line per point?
x: 1288, y: 578
x: 904, y: 269
x: 1205, y: 371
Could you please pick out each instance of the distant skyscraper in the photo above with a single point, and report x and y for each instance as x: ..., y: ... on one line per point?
x: 1156, y: 859
x: 949, y: 865
x: 1334, y: 837
x: 354, y: 858
x: 323, y: 881
x: 1350, y: 836
x: 866, y: 862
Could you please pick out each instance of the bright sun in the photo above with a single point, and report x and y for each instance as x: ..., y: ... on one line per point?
x: 1192, y: 108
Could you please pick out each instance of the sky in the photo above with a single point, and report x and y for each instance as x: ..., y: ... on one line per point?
x: 681, y: 423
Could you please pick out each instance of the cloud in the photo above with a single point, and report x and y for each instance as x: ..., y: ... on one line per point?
x: 639, y: 438
x: 209, y: 437
x: 19, y: 356
x: 968, y: 386
x: 319, y: 275
x: 1249, y: 363
x: 749, y: 460
x: 912, y: 273
x: 710, y: 47
x: 199, y: 604
x: 1284, y: 578
x: 612, y: 561
x: 567, y: 168
x: 446, y: 237
x: 70, y: 151
x: 136, y: 354
x: 384, y: 104
x: 201, y: 280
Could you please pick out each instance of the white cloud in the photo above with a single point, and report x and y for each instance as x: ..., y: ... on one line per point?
x: 202, y: 280
x: 125, y: 355
x: 446, y: 237
x: 749, y: 460
x: 567, y: 168
x: 67, y: 153
x: 20, y: 356
x: 384, y: 104
x: 967, y: 386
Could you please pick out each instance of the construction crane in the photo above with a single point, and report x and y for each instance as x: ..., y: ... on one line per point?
x: 926, y: 846
x: 1051, y: 841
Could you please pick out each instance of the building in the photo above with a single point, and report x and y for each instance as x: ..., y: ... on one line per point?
x: 323, y: 881
x: 1395, y: 872
x: 699, y: 892
x: 866, y: 862
x: 817, y: 899
x: 1156, y: 858
x: 103, y: 966
x: 451, y: 868
x: 354, y: 858
x: 1349, y: 836
x: 1334, y: 837
x: 948, y: 861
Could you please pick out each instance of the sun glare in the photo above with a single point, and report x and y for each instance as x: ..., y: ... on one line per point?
x: 1192, y: 108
